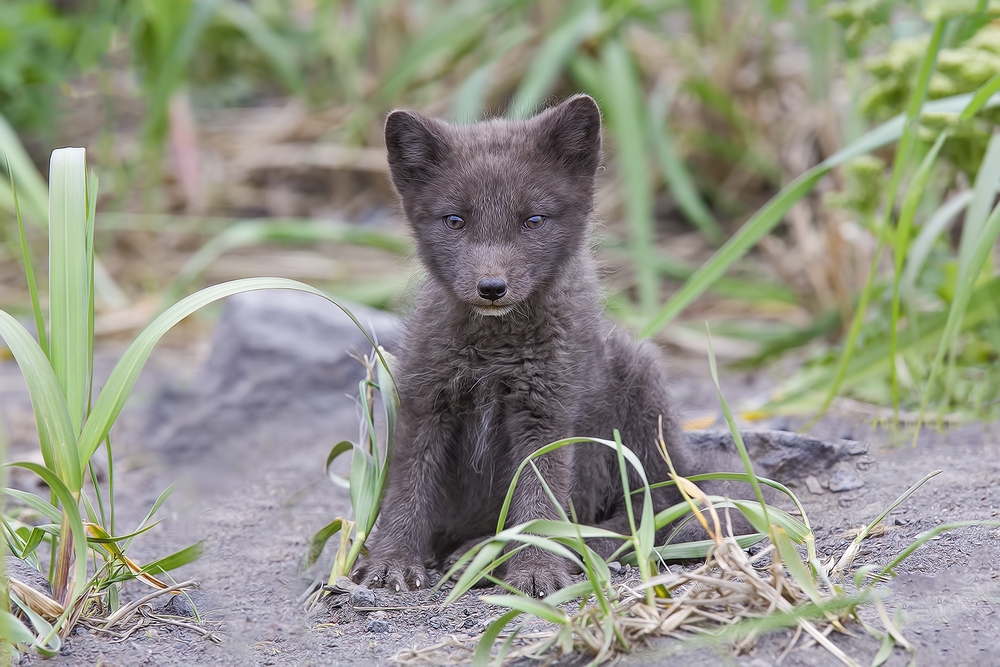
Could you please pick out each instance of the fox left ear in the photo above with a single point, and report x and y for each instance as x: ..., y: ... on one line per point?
x: 570, y: 134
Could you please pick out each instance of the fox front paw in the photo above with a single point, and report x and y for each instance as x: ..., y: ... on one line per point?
x: 538, y: 573
x: 398, y: 571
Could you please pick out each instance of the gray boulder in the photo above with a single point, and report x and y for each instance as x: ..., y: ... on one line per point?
x: 279, y: 372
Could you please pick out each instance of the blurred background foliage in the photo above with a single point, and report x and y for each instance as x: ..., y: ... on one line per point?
x: 243, y: 137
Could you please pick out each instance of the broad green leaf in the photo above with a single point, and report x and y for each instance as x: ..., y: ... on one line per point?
x: 626, y: 120
x: 553, y: 56
x: 56, y: 436
x: 527, y: 605
x: 481, y: 658
x: 320, y: 539
x: 276, y: 48
x: 340, y: 448
x: 69, y: 279
x: 123, y: 377
x: 176, y: 559
x: 44, y: 507
x: 675, y: 173
x: 694, y: 550
x: 901, y: 245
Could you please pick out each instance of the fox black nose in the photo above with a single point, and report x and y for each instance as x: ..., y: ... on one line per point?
x: 492, y: 288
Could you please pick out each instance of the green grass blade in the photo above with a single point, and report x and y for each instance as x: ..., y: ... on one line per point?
x: 968, y: 274
x: 36, y: 306
x: 695, y: 550
x: 116, y: 390
x: 921, y: 247
x: 901, y: 245
x: 277, y: 49
x: 801, y: 389
x: 175, y: 560
x: 675, y: 173
x: 468, y: 102
x: 984, y: 195
x: 171, y: 70
x: 69, y: 278
x: 741, y: 447
x: 481, y: 658
x: 250, y: 233
x: 622, y: 97
x: 319, y: 540
x: 56, y: 436
x: 926, y: 537
x: 756, y: 228
x: 527, y: 605
x: 553, y: 56
x: 44, y: 507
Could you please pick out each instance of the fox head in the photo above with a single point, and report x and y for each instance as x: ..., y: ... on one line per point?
x: 499, y: 207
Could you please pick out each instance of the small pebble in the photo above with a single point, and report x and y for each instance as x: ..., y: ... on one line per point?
x: 434, y: 622
x: 362, y: 597
x: 814, y: 486
x: 615, y: 567
x: 855, y: 447
x: 845, y: 480
x: 469, y: 622
x: 377, y: 625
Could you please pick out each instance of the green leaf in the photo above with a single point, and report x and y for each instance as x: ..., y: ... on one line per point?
x: 55, y: 429
x: 36, y: 306
x: 340, y: 448
x: 527, y: 605
x: 176, y: 559
x: 276, y: 48
x: 44, y: 507
x: 481, y: 658
x: 69, y: 279
x: 553, y: 56
x: 675, y: 173
x: 694, y: 550
x: 320, y: 539
x: 123, y: 377
x: 621, y: 97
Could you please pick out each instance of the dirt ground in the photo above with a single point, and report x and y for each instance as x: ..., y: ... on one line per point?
x: 257, y: 507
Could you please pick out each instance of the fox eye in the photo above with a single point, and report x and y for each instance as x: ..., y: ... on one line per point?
x: 535, y: 222
x: 453, y: 222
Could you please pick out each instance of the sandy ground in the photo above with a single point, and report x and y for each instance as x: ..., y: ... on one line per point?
x: 256, y: 507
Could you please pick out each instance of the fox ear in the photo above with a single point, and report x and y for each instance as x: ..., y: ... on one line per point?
x: 570, y: 134
x: 416, y: 146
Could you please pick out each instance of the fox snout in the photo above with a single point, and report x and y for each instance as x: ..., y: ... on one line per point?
x: 492, y: 289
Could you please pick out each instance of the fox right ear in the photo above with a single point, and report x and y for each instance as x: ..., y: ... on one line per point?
x: 416, y: 145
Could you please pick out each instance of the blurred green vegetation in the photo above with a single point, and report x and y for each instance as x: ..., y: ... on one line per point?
x: 733, y: 127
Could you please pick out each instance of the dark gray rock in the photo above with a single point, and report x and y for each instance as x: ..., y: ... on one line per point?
x: 780, y: 455
x: 378, y: 622
x: 362, y: 597
x: 279, y: 371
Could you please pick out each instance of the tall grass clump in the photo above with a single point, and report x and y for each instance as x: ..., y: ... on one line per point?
x: 74, y: 422
x: 369, y: 473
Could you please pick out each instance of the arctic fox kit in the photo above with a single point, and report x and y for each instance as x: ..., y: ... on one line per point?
x: 507, y: 349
